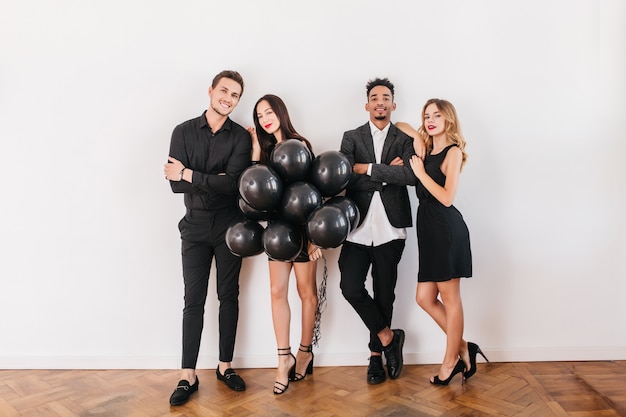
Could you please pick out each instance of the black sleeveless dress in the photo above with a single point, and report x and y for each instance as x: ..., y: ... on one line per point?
x: 442, y: 235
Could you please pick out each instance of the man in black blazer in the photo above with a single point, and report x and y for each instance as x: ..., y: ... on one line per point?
x: 379, y: 154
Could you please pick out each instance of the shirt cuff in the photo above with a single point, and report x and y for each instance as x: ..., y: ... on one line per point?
x: 369, y: 169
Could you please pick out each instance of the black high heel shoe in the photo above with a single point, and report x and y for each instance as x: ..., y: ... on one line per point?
x: 458, y: 368
x: 279, y: 387
x: 473, y: 350
x: 309, y: 368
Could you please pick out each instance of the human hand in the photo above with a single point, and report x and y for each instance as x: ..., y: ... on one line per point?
x: 397, y: 161
x: 315, y: 252
x: 360, y: 168
x: 253, y: 136
x: 417, y: 165
x: 173, y: 169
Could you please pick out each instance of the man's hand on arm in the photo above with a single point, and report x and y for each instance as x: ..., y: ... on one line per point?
x: 397, y: 161
x: 175, y: 171
x: 360, y: 168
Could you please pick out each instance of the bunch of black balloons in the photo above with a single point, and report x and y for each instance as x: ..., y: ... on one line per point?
x: 297, y: 196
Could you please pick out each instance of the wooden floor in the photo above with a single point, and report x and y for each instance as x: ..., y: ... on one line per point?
x: 498, y: 389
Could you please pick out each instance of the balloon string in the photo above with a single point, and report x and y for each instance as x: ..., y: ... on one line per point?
x: 321, y: 305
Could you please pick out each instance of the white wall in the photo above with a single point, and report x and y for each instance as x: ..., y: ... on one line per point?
x: 90, y: 92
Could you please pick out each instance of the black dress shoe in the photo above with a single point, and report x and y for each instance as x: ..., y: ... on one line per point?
x: 183, y: 391
x: 231, y: 379
x: 393, y: 354
x: 375, y: 370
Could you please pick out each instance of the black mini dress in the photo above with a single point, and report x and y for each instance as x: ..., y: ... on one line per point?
x: 442, y: 235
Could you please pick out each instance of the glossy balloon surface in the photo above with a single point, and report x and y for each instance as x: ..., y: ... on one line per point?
x: 327, y: 227
x: 261, y: 187
x: 299, y: 200
x: 245, y: 238
x: 282, y: 241
x: 349, y: 208
x: 251, y: 213
x: 291, y: 159
x: 330, y: 172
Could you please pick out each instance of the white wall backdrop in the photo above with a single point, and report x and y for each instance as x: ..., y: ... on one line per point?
x: 90, y: 273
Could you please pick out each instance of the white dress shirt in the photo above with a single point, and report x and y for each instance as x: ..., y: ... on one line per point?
x: 376, y: 229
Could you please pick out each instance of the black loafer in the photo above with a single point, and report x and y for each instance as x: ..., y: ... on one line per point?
x: 231, y: 379
x: 393, y: 354
x: 375, y: 370
x: 183, y: 391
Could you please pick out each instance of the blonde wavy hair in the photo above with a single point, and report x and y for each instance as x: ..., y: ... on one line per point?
x: 452, y: 126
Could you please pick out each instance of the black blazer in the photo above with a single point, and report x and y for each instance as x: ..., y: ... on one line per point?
x: 358, y: 146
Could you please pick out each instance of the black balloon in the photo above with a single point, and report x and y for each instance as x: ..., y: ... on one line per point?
x: 330, y: 172
x: 299, y: 200
x: 327, y: 227
x: 261, y: 187
x: 291, y: 159
x: 245, y: 238
x: 282, y: 241
x: 349, y: 208
x: 251, y: 213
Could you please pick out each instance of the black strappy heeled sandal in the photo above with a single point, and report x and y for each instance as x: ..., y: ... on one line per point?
x: 309, y: 368
x: 458, y: 368
x: 279, y: 387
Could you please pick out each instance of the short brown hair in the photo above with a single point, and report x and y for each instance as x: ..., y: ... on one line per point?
x: 233, y: 75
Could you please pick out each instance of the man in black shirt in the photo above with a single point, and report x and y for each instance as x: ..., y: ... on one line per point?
x: 207, y: 156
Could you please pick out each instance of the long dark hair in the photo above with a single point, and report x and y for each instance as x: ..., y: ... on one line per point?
x: 268, y: 141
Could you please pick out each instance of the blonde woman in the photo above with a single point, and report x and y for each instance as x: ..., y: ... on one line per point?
x: 442, y: 235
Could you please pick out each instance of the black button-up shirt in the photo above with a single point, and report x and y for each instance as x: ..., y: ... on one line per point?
x: 216, y: 158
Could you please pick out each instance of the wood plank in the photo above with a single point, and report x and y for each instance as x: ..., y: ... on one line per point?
x: 538, y: 389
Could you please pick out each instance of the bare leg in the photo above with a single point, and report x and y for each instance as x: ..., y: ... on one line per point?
x: 281, y: 315
x: 451, y: 298
x: 307, y: 290
x: 447, y: 313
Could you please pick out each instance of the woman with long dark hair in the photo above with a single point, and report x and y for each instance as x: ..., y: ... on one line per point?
x: 273, y: 126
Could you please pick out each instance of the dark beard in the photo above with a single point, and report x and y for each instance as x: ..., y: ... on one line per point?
x: 380, y: 117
